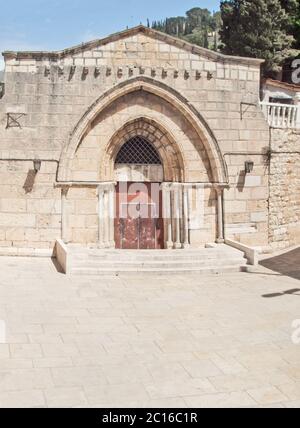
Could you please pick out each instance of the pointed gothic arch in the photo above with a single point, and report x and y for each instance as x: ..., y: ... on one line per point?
x: 163, y: 142
x: 194, y: 118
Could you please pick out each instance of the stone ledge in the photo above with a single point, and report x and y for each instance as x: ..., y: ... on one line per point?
x: 61, y: 254
x: 250, y: 253
x: 25, y: 252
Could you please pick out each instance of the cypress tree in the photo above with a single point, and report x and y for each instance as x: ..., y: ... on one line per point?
x: 257, y: 28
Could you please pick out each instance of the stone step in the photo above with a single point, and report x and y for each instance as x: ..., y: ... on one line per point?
x: 157, y: 272
x: 92, y: 261
x: 170, y: 259
x: 220, y: 249
x: 155, y: 255
x: 162, y: 264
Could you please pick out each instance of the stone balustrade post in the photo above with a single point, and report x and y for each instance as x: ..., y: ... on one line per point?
x: 297, y: 98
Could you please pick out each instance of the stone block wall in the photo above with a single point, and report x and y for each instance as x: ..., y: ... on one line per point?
x: 45, y: 98
x: 82, y: 216
x: 207, y: 231
x: 284, y: 209
x: 30, y: 205
x: 246, y: 201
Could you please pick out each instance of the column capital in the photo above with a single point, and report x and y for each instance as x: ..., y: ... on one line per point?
x: 221, y: 186
x: 166, y: 185
x: 175, y: 185
x: 219, y: 190
x: 107, y: 185
x: 65, y: 190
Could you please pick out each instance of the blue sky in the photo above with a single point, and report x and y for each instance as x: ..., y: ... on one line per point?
x: 58, y: 24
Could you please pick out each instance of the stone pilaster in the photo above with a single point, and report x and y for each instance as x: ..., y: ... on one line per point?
x: 64, y: 215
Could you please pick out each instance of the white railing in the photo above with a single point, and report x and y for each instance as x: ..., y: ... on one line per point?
x: 281, y: 115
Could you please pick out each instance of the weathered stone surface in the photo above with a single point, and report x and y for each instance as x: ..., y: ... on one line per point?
x: 149, y: 342
x: 73, y: 119
x: 284, y: 224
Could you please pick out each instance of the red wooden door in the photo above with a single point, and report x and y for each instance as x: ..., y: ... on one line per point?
x: 139, y: 222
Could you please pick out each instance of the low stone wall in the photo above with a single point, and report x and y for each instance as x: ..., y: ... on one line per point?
x: 30, y: 206
x: 284, y: 202
x: 61, y: 254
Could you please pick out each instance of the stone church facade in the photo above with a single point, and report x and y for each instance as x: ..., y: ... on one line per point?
x: 141, y: 121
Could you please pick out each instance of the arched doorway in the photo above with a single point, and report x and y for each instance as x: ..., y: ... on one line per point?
x: 190, y: 160
x: 139, y: 212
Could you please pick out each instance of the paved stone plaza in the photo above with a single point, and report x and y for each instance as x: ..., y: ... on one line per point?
x: 171, y: 341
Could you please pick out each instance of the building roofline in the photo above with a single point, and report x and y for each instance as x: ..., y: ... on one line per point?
x: 282, y: 85
x: 197, y: 50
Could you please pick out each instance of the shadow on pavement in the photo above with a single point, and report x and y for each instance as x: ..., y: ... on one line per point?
x: 287, y: 264
x: 295, y: 291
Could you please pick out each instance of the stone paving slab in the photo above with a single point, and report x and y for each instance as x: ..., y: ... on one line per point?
x: 212, y: 341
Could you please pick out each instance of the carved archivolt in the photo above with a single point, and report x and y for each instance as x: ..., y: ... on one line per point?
x: 166, y: 145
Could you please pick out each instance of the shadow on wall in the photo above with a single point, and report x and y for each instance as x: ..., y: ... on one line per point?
x: 241, y: 181
x: 287, y: 264
x: 57, y: 266
x: 29, y: 182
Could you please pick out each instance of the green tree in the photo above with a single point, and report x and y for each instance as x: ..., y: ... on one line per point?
x: 196, y: 37
x: 216, y: 22
x: 289, y: 5
x: 199, y: 27
x: 198, y: 17
x: 292, y: 8
x: 294, y: 13
x: 297, y: 28
x: 259, y: 29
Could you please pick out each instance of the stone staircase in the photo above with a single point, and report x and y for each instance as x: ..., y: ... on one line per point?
x: 214, y: 260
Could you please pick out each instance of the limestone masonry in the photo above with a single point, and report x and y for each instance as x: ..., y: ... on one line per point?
x: 64, y: 117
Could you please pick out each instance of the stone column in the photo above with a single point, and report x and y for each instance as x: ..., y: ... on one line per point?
x: 106, y: 219
x: 64, y: 215
x: 220, y: 237
x: 112, y: 196
x: 186, y: 243
x: 101, y: 225
x: 177, y: 244
x: 167, y: 215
